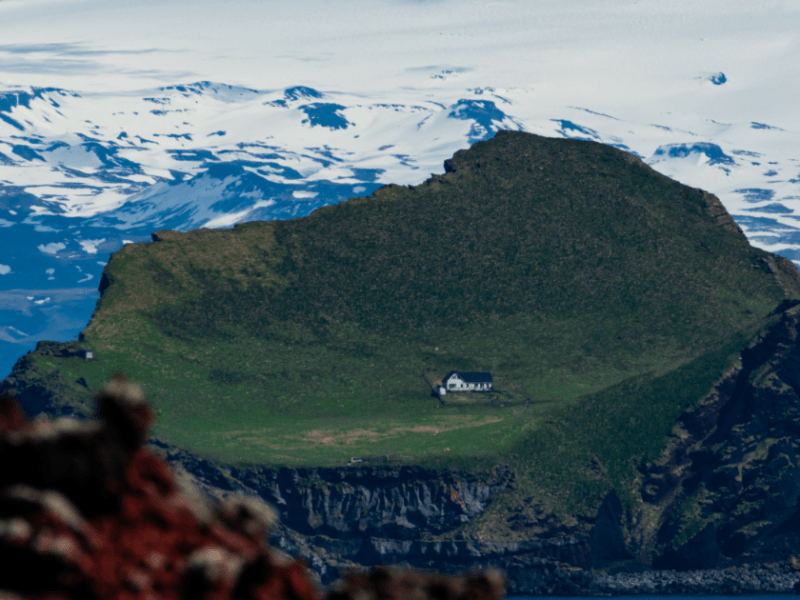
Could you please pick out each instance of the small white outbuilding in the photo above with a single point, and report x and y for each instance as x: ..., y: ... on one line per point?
x: 467, y: 381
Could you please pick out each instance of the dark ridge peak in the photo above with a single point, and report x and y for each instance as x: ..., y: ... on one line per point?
x: 300, y: 91
x: 200, y: 87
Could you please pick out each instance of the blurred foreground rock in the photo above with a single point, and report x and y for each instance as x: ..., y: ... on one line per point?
x: 387, y: 583
x: 86, y: 512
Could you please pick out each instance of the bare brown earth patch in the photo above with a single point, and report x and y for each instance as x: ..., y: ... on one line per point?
x: 337, y: 437
x: 349, y: 438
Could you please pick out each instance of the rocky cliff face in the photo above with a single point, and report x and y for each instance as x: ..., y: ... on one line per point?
x: 397, y: 502
x: 49, y: 393
x: 401, y: 503
x: 364, y: 516
x: 728, y: 483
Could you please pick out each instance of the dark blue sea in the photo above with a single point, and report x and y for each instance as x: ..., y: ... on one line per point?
x: 653, y: 597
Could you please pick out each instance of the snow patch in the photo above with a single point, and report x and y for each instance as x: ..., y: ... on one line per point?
x: 90, y: 246
x: 52, y: 248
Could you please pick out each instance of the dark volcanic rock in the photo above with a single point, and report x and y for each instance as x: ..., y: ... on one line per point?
x: 48, y: 393
x: 729, y: 482
x: 607, y: 540
x: 390, y: 502
x: 342, y: 518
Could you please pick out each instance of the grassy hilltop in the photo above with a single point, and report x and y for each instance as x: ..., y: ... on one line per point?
x: 609, y: 294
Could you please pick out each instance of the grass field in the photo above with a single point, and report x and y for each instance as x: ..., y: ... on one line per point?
x: 272, y: 403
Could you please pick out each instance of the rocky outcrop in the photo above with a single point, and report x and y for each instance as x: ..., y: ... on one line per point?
x: 48, y: 393
x: 330, y: 557
x: 340, y: 518
x: 400, y: 503
x: 728, y: 482
x: 716, y: 210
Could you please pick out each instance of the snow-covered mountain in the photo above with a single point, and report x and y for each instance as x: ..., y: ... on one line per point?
x: 103, y: 139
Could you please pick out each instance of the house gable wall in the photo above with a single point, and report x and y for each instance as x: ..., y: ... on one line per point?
x: 454, y: 383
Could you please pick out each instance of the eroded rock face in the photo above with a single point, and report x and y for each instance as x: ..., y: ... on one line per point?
x: 344, y: 518
x: 729, y: 482
x: 398, y: 503
x: 332, y: 545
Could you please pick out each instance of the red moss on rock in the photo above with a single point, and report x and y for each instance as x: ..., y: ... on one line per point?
x: 87, y: 512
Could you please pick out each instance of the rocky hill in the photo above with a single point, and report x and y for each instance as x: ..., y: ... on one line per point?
x: 642, y: 353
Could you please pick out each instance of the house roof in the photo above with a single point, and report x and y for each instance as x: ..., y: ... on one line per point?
x: 471, y: 376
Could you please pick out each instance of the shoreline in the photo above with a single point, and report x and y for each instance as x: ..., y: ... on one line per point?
x: 731, y: 581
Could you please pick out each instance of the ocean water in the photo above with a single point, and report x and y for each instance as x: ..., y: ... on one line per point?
x: 654, y: 597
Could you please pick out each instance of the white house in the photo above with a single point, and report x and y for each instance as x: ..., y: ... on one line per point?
x: 467, y: 381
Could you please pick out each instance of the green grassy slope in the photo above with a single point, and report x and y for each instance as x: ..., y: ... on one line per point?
x: 577, y: 275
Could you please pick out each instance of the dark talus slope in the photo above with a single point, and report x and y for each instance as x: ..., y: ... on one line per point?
x: 728, y: 481
x: 613, y: 297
